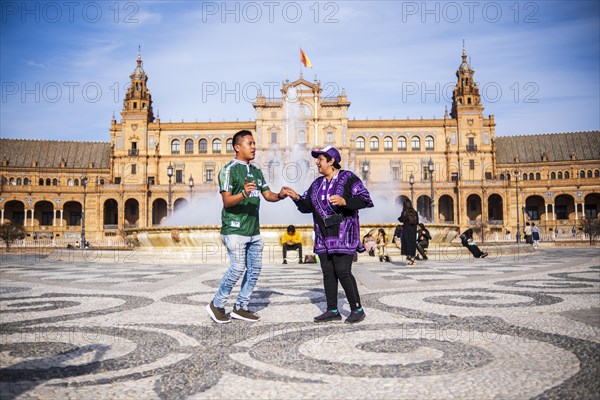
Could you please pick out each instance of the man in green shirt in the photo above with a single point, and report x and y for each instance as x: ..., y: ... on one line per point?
x: 240, y: 184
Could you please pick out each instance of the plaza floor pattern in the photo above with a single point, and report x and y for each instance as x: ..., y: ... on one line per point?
x: 515, y: 326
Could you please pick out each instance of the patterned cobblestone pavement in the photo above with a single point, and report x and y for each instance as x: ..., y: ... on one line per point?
x: 515, y: 326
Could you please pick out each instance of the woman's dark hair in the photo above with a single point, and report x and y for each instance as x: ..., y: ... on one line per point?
x: 422, y: 226
x: 291, y: 229
x: 336, y: 165
x: 407, y: 203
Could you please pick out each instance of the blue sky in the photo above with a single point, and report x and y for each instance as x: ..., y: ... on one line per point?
x: 64, y: 66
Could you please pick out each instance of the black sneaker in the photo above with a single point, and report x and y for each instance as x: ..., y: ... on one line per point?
x: 285, y: 261
x: 355, y: 316
x: 217, y: 314
x: 484, y: 255
x: 245, y: 315
x: 328, y: 316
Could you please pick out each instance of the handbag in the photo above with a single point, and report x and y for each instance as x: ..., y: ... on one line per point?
x: 331, y: 220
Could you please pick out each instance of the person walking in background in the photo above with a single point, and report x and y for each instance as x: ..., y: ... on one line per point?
x: 291, y: 240
x: 535, y: 233
x: 423, y: 238
x: 466, y: 239
x: 527, y: 233
x: 334, y: 199
x: 382, y: 241
x: 240, y: 184
x: 409, y: 219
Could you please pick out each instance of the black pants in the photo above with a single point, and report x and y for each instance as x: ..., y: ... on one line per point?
x: 473, y: 249
x: 338, y: 267
x: 297, y: 246
x: 421, y: 246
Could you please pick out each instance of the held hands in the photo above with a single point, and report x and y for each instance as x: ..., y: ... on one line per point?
x: 289, y: 192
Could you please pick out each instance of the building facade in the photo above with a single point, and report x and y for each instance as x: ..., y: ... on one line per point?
x: 455, y: 168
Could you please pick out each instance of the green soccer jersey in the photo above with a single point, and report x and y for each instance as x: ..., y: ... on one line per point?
x: 241, y: 219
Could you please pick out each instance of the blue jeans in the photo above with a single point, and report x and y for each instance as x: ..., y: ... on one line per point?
x: 245, y: 253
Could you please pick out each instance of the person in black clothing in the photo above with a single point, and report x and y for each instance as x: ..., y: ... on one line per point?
x: 466, y: 239
x: 410, y: 219
x: 397, y: 238
x: 423, y: 238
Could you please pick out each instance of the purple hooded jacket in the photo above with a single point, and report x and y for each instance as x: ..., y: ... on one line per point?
x: 342, y: 238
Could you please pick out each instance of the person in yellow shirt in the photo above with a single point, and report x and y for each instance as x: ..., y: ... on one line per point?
x: 291, y: 241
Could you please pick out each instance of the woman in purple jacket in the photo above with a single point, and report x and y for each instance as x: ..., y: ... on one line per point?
x: 334, y: 200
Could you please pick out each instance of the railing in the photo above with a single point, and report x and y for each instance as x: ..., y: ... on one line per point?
x: 133, y: 152
x: 111, y: 226
x: 471, y: 147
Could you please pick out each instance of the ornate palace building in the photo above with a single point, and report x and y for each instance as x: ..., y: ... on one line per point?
x: 455, y: 168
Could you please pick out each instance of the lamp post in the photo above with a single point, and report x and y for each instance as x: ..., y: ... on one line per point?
x: 170, y: 175
x: 365, y: 169
x: 431, y: 169
x: 191, y: 184
x: 411, y: 180
x: 84, y: 184
x: 517, y: 209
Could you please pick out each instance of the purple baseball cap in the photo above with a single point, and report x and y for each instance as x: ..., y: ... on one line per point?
x: 330, y: 150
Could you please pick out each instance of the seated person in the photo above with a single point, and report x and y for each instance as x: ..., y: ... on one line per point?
x: 291, y: 240
x: 423, y: 238
x: 382, y: 241
x: 369, y: 243
x: 466, y: 239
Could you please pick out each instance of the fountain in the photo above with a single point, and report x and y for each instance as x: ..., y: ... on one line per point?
x: 196, y: 226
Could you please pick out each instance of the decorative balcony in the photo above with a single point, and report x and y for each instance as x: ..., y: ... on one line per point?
x: 133, y: 152
x: 471, y: 147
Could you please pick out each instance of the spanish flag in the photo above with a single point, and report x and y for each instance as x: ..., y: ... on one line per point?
x: 304, y: 59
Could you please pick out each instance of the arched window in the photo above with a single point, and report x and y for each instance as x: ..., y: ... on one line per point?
x: 559, y: 174
x: 538, y: 176
x: 589, y: 173
x: 531, y: 176
x: 229, y: 146
x: 401, y: 143
x: 374, y: 144
x: 189, y: 146
x: 596, y: 173
x: 26, y: 181
x: 19, y: 181
x: 524, y: 177
x: 429, y: 143
x: 54, y: 182
x: 41, y: 182
x: 501, y: 177
x: 48, y: 182
x: 175, y: 146
x: 553, y: 175
x: 202, y: 146
x: 416, y: 143
x: 388, y: 144
x: 11, y: 181
x: 567, y: 175
x: 582, y: 174
x: 76, y: 182
x: 69, y: 182
x: 360, y: 144
x: 216, y: 146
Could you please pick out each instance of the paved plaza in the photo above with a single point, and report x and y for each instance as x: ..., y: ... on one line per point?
x: 516, y: 325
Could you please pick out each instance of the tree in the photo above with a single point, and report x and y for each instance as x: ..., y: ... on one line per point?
x: 10, y: 232
x: 591, y: 226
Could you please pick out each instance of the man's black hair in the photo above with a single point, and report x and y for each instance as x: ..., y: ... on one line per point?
x: 238, y: 136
